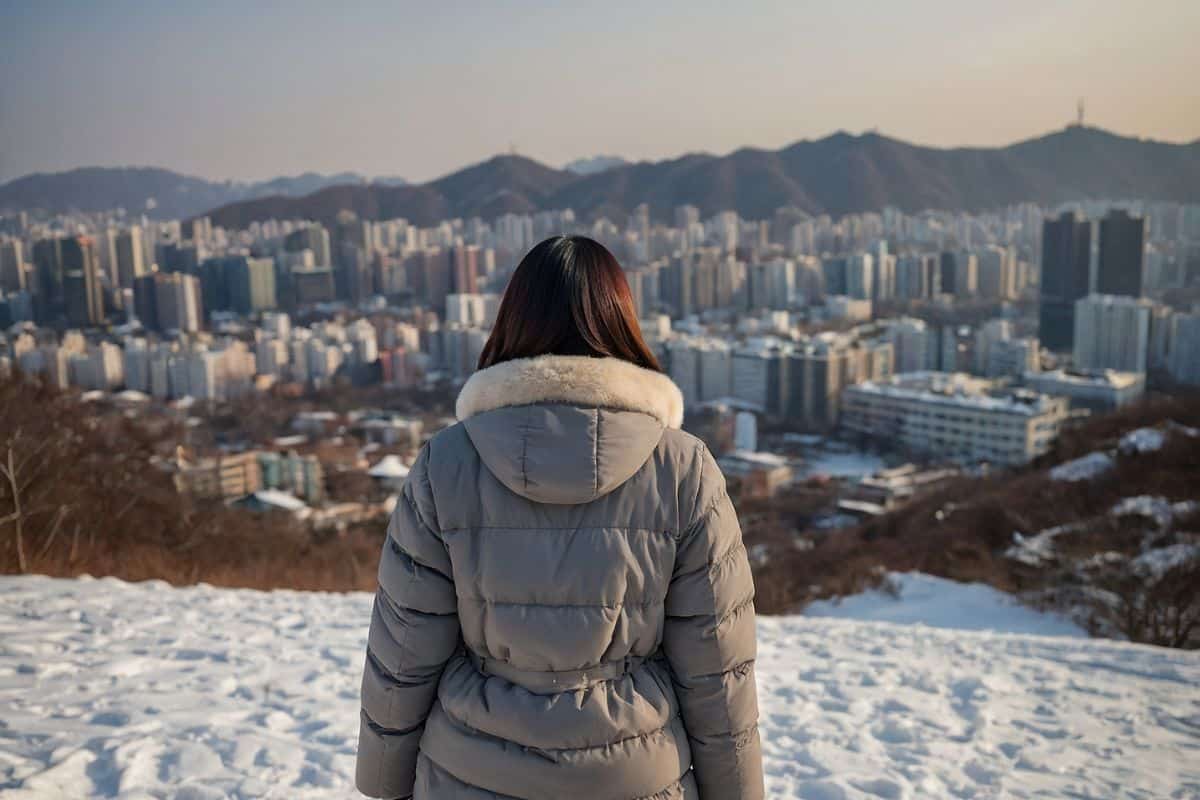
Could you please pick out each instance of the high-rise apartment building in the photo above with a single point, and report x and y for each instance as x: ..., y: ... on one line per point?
x: 918, y: 276
x: 81, y: 281
x: 464, y: 269
x: 130, y: 251
x: 48, y: 272
x: 313, y: 238
x: 997, y: 272
x: 250, y: 283
x: 1183, y: 361
x: 817, y: 371
x: 168, y: 301
x: 1112, y: 332
x: 12, y: 266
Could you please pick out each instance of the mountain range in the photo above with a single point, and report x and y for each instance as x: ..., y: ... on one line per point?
x: 158, y: 192
x: 838, y: 174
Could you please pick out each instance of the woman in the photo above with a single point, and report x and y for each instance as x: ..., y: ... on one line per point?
x: 565, y: 605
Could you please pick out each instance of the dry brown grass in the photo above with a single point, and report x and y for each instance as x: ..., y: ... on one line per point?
x: 91, y: 502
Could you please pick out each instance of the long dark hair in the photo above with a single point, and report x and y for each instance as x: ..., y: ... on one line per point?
x: 567, y: 297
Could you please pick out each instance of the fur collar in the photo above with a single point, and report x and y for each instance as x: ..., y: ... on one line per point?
x: 574, y: 380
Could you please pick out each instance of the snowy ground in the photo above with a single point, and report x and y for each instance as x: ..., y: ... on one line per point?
x: 917, y: 599
x: 110, y: 689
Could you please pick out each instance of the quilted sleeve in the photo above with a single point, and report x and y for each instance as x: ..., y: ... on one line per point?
x: 709, y: 641
x: 414, y: 632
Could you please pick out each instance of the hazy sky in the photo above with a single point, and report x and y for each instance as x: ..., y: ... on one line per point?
x: 250, y: 90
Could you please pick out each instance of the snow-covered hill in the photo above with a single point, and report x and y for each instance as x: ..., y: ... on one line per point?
x: 109, y: 689
x: 911, y: 598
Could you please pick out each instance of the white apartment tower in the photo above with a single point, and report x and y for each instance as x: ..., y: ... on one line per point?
x: 1112, y: 332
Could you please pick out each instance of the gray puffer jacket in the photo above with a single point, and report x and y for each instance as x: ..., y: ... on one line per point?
x: 565, y: 607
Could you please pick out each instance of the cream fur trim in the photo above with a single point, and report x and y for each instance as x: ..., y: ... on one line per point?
x: 575, y: 380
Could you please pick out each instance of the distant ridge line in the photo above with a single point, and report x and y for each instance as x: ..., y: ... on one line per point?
x: 838, y: 174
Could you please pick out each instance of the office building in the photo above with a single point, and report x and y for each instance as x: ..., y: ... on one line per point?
x: 1097, y: 390
x: 1122, y: 249
x: 954, y: 417
x: 1066, y: 265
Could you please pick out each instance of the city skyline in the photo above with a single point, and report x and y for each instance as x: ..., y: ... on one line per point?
x: 215, y: 93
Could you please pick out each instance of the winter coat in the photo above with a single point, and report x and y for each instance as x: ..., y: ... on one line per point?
x: 565, y: 606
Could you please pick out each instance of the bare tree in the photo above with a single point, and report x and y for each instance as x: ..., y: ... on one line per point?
x: 25, y: 462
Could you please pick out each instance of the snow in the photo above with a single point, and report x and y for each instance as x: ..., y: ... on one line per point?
x: 1142, y: 440
x: 1083, y: 468
x: 391, y: 467
x: 842, y: 465
x: 1038, y: 549
x: 1161, y: 560
x: 1159, y: 509
x: 940, y: 603
x: 109, y: 689
x: 278, y: 499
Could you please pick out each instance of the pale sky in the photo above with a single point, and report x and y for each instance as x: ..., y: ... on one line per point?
x: 250, y: 90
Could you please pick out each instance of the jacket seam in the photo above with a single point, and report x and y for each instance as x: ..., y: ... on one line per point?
x: 558, y: 528
x: 741, y: 668
x: 727, y: 556
x: 617, y: 606
x: 738, y: 737
x: 462, y: 780
x: 400, y: 550
x: 596, y: 456
x: 700, y: 481
x: 709, y: 510
x: 421, y: 474
x: 607, y: 745
x: 733, y: 612
x: 678, y: 782
x: 525, y: 428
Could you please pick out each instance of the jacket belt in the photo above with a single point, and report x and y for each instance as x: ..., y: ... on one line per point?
x: 551, y: 681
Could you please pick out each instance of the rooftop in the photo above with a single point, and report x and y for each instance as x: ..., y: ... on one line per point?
x: 957, y: 389
x: 1093, y: 378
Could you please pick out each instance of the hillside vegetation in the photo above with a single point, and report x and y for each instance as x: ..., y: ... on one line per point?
x: 80, y: 494
x: 1106, y: 528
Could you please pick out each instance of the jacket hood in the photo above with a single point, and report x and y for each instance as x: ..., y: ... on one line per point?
x: 567, y: 429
